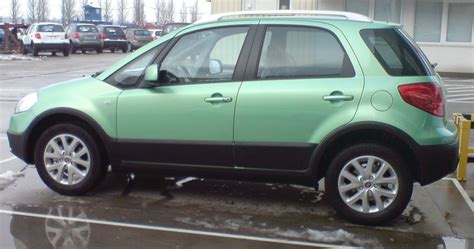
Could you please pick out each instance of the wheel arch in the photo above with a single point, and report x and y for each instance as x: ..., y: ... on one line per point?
x: 65, y: 115
x: 360, y: 132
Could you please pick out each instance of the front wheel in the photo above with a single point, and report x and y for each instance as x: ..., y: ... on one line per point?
x: 369, y: 184
x: 68, y: 159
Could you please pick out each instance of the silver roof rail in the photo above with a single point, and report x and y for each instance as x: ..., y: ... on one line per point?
x: 293, y: 13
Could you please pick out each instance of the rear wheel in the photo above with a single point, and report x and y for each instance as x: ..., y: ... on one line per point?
x: 112, y: 50
x: 124, y: 49
x: 68, y: 159
x: 53, y: 53
x: 99, y: 50
x: 24, y: 50
x: 66, y: 51
x: 369, y: 184
x: 35, y: 50
x: 83, y: 51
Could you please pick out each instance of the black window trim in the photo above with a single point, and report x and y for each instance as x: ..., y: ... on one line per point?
x: 254, y: 60
x: 427, y: 70
x: 240, y: 66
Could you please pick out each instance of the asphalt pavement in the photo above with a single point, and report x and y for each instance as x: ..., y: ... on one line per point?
x: 204, y: 213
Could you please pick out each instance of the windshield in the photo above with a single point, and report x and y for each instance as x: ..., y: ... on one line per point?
x: 87, y: 29
x: 50, y: 28
x: 141, y: 32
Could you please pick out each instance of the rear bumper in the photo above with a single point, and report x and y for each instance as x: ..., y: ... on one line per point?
x: 18, y: 146
x: 88, y: 44
x: 436, y: 161
x: 115, y: 44
x: 52, y: 46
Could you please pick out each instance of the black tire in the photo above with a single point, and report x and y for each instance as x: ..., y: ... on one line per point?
x: 35, y: 50
x: 389, y: 155
x: 112, y: 50
x: 99, y: 50
x: 24, y: 50
x: 66, y: 51
x: 97, y: 167
x: 53, y: 53
x: 124, y: 49
x: 83, y: 51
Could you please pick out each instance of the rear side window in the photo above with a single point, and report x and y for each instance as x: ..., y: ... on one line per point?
x: 50, y: 28
x: 87, y: 29
x: 302, y: 52
x: 395, y: 52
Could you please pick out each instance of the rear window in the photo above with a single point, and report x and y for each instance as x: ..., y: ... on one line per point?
x: 394, y: 51
x: 50, y: 28
x: 87, y: 29
x: 113, y: 31
x: 141, y: 32
x: 157, y: 33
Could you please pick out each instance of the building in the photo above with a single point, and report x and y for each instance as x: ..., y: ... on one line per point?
x: 444, y: 29
x: 92, y: 13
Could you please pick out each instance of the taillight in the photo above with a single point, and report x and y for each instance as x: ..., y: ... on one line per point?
x: 37, y: 35
x: 75, y: 35
x: 102, y: 36
x: 133, y: 37
x: 65, y: 36
x: 426, y: 96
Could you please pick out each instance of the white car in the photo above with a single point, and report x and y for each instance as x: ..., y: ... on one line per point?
x: 45, y: 36
x: 155, y: 33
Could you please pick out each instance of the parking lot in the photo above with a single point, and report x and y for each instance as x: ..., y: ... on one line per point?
x: 203, y: 213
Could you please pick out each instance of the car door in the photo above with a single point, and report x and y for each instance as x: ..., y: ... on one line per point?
x: 302, y: 82
x: 27, y: 38
x: 187, y: 120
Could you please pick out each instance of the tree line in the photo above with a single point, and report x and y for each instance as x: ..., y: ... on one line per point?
x: 165, y: 10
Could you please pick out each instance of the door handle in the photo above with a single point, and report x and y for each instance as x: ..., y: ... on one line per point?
x: 218, y: 99
x: 338, y: 97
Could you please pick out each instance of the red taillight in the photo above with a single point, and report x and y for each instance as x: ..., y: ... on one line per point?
x: 37, y: 35
x: 102, y: 36
x: 425, y: 96
x: 65, y: 36
x: 75, y: 35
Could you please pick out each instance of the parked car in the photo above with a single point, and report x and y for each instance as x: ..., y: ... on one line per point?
x: 114, y: 38
x: 84, y: 37
x: 45, y: 36
x: 155, y: 33
x: 2, y: 36
x: 350, y: 100
x: 137, y: 38
x: 170, y: 27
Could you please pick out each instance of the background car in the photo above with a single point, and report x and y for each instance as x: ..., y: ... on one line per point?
x: 137, y: 38
x: 45, y: 36
x: 170, y: 27
x: 84, y: 37
x: 155, y: 33
x: 114, y: 38
x: 2, y: 36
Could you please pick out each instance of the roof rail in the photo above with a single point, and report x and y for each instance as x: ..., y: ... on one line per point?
x: 294, y: 13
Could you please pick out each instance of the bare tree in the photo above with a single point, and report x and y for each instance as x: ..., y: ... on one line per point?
x: 32, y: 4
x: 107, y: 10
x: 42, y: 10
x: 122, y: 11
x: 170, y: 11
x: 194, y: 11
x: 68, y: 9
x: 160, y: 11
x: 184, y: 12
x: 139, y: 12
x: 15, y: 9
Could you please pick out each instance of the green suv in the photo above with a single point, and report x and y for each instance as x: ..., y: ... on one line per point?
x: 279, y: 98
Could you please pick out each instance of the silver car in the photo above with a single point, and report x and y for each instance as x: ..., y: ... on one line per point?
x: 84, y: 37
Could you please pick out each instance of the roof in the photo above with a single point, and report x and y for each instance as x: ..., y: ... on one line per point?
x: 310, y: 14
x: 48, y: 23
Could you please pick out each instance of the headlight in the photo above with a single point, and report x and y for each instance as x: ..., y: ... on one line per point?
x: 26, y: 102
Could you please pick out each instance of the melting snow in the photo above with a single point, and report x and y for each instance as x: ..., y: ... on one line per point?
x: 8, y: 178
x: 17, y: 58
x: 185, y: 180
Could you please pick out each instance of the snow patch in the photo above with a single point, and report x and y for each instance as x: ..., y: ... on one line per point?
x: 181, y: 182
x: 8, y: 178
x: 14, y: 57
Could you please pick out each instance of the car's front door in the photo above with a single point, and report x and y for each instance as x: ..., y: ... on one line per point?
x: 187, y: 120
x: 305, y: 82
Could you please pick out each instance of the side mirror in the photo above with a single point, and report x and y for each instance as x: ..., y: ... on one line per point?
x: 152, y: 74
x: 215, y: 67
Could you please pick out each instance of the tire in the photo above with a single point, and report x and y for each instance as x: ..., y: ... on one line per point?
x: 24, y: 50
x: 124, y: 49
x: 83, y: 51
x: 99, y: 50
x: 53, y: 53
x: 78, y: 185
x: 391, y: 207
x: 66, y: 51
x: 112, y: 50
x: 35, y: 50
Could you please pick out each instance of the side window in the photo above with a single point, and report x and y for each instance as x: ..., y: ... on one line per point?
x: 204, y: 56
x: 129, y: 74
x: 302, y: 52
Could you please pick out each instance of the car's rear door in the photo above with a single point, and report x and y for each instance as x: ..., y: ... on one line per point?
x: 187, y: 121
x: 302, y: 82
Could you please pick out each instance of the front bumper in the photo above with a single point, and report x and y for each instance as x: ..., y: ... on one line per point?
x: 436, y: 161
x: 18, y: 147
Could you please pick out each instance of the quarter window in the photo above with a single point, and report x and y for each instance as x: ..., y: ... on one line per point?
x: 301, y: 52
x: 204, y: 56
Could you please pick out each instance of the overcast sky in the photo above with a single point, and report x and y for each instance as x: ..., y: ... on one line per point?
x: 55, y: 8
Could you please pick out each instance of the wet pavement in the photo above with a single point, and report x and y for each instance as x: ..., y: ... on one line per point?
x: 201, y: 213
